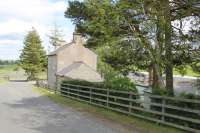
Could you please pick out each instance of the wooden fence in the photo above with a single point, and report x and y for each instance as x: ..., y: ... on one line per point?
x: 179, y: 113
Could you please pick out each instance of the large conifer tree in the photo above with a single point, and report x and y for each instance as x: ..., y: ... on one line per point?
x: 33, y: 57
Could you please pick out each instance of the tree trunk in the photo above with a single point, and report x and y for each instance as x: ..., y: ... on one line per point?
x: 168, y: 47
x: 155, y: 79
x: 150, y: 75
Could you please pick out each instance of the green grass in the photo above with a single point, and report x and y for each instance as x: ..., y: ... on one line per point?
x: 189, y: 72
x: 10, y: 69
x: 7, y: 69
x: 131, y: 123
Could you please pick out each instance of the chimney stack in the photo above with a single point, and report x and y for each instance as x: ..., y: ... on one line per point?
x: 77, y: 38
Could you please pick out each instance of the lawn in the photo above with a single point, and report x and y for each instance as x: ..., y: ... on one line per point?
x: 128, y: 121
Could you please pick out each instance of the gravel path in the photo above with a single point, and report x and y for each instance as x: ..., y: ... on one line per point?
x: 25, y: 111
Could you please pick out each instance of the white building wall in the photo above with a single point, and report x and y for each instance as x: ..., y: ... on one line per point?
x: 75, y: 53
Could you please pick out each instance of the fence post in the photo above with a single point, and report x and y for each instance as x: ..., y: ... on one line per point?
x: 130, y: 103
x: 68, y: 91
x: 78, y: 96
x: 107, y: 98
x: 163, y: 109
x: 90, y: 95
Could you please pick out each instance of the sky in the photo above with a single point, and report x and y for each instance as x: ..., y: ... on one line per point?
x: 17, y: 17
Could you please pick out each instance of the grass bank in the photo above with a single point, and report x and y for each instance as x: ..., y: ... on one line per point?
x: 131, y: 123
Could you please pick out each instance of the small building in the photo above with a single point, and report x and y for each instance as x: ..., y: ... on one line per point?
x: 72, y: 61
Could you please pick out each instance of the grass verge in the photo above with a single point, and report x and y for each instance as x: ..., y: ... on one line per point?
x: 140, y: 125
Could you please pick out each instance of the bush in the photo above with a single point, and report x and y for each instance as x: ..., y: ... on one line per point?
x: 189, y: 96
x: 121, y: 83
x: 85, y: 83
x: 117, y: 83
x: 159, y: 91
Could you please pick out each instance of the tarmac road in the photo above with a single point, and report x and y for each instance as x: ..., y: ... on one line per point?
x: 24, y: 111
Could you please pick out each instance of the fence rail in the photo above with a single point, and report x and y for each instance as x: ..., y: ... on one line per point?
x: 165, y: 110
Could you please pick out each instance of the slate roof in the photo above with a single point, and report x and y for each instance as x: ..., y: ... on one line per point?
x: 80, y: 70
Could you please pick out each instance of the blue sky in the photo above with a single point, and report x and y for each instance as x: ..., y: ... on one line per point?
x: 19, y: 16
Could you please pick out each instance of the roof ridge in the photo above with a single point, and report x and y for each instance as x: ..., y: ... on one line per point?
x: 60, y: 48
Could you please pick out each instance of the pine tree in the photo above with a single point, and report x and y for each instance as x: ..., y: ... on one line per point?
x: 33, y: 57
x: 56, y: 37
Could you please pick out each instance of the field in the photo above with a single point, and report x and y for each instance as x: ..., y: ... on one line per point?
x: 189, y: 72
x: 4, y: 70
x: 15, y: 72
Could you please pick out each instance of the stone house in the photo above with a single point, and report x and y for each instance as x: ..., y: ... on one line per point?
x: 72, y: 61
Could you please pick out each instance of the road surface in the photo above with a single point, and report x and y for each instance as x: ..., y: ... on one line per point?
x: 24, y: 111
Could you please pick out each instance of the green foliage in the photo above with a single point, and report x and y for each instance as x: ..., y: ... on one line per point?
x: 119, y: 24
x: 159, y: 91
x: 8, y: 62
x: 113, y: 79
x: 189, y: 96
x: 196, y: 65
x: 33, y: 57
x: 117, y: 83
x: 121, y: 83
x: 56, y: 37
x: 84, y: 83
x: 186, y: 71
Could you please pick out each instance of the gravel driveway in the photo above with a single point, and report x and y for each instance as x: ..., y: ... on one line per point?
x: 24, y: 111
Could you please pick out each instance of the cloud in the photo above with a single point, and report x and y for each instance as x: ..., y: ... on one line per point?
x: 10, y: 42
x: 13, y: 26
x: 17, y: 17
x: 31, y: 9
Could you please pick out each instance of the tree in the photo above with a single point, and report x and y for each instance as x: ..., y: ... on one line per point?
x: 56, y: 37
x: 33, y: 57
x: 119, y: 24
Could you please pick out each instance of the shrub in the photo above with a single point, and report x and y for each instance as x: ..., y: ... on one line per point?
x: 85, y: 83
x: 117, y: 83
x: 159, y: 91
x: 121, y: 83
